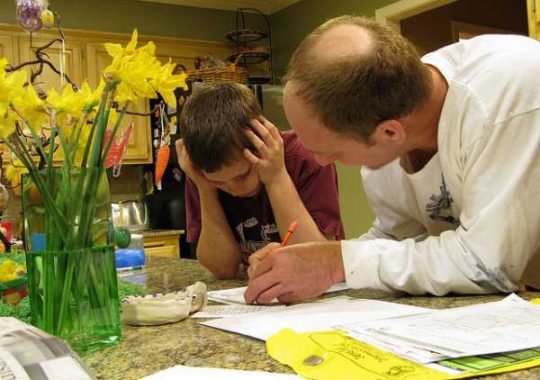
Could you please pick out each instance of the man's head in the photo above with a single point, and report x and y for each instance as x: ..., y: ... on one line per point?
x: 213, y: 123
x: 351, y: 76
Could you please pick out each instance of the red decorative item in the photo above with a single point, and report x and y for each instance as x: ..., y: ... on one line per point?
x: 116, y: 153
x: 162, y: 160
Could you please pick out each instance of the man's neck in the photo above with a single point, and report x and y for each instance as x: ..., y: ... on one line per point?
x: 424, y: 122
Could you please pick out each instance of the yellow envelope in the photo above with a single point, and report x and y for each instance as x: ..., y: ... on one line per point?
x: 333, y: 355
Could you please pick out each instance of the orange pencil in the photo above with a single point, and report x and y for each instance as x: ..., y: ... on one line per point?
x: 289, y: 233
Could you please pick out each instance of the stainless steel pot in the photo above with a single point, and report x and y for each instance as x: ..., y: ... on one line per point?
x: 131, y: 214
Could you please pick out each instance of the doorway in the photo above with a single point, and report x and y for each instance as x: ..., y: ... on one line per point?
x: 464, y: 19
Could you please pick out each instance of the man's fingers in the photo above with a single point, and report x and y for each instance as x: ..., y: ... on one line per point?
x: 264, y: 131
x: 259, y: 283
x: 288, y: 298
x: 271, y: 294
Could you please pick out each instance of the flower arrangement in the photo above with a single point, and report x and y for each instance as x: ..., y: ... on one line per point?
x: 67, y: 208
x: 12, y: 278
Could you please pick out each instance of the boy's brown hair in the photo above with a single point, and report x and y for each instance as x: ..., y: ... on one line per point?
x: 213, y: 122
x: 353, y: 93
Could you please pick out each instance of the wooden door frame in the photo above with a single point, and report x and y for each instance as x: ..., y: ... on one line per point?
x: 392, y: 14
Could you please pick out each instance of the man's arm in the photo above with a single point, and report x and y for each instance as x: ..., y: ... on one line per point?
x: 487, y: 253
x: 217, y: 248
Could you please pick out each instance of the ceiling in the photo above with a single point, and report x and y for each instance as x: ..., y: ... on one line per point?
x: 265, y: 6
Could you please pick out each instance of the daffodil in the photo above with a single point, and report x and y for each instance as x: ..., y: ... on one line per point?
x: 8, y: 271
x: 13, y: 172
x: 11, y: 86
x: 7, y: 124
x: 32, y: 108
x: 166, y: 82
x: 140, y: 74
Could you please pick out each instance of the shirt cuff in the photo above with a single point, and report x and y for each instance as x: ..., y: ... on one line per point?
x: 361, y: 264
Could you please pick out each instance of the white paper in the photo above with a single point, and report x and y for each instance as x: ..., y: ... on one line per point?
x: 507, y: 325
x: 315, y: 316
x: 10, y: 368
x: 64, y: 368
x: 200, y: 373
x: 236, y: 295
x: 221, y: 311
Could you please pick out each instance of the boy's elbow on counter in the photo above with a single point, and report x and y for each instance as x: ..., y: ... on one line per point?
x: 220, y: 272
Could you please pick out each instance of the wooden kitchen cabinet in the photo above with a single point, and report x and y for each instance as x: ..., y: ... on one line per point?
x: 533, y: 13
x: 162, y: 243
x: 8, y: 48
x: 86, y: 57
x: 73, y: 66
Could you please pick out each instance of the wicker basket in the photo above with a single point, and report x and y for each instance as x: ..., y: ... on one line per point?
x: 231, y: 73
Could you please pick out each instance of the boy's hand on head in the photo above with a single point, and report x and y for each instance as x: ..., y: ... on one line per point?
x: 270, y: 162
x: 191, y: 171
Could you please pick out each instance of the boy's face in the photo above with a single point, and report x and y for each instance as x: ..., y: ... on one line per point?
x: 238, y: 178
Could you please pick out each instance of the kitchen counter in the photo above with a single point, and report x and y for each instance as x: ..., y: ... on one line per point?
x: 145, y: 350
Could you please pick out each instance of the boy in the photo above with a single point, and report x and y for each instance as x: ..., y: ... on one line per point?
x: 248, y: 181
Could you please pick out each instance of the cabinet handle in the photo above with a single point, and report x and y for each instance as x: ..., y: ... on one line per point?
x: 154, y: 244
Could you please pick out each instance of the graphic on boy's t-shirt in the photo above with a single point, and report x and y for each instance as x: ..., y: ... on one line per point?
x: 254, y: 236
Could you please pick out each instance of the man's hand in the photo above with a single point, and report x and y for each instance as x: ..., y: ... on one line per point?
x: 257, y: 257
x: 191, y: 171
x: 270, y: 163
x: 295, y: 273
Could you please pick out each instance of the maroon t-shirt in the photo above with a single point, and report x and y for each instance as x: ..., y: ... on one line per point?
x: 252, y: 219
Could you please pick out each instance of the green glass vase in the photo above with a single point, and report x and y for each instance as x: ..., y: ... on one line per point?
x: 72, y: 280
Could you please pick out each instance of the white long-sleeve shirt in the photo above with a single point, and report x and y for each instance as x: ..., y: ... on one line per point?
x: 469, y: 221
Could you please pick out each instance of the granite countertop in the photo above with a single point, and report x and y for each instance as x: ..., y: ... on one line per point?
x: 145, y: 350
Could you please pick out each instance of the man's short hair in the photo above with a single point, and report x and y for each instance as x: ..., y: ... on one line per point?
x: 352, y: 93
x: 213, y: 123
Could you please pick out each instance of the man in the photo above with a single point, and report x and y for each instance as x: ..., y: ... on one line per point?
x: 449, y: 149
x: 247, y: 181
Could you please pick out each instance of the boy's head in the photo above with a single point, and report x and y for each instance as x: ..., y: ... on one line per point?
x: 212, y: 125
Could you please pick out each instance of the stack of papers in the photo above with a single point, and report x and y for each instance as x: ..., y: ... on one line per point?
x: 315, y: 316
x: 508, y: 325
x: 236, y: 295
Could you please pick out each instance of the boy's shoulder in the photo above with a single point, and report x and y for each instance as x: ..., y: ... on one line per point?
x: 292, y: 145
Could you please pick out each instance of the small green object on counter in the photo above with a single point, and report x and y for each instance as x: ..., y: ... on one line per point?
x: 122, y: 237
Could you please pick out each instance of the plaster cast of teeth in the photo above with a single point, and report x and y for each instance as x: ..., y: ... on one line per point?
x: 159, y: 308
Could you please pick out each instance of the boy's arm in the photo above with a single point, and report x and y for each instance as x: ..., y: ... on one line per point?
x: 217, y: 248
x: 286, y: 202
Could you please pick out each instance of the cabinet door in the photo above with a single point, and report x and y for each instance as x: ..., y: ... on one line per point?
x: 533, y: 12
x: 72, y: 62
x: 138, y: 148
x: 8, y: 48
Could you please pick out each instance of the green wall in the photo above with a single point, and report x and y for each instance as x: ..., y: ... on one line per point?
x: 150, y: 18
x: 289, y: 27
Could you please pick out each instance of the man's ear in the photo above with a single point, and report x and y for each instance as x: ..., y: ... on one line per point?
x: 389, y: 132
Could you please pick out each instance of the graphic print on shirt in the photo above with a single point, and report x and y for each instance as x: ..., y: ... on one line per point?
x: 440, y: 206
x: 254, y: 236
